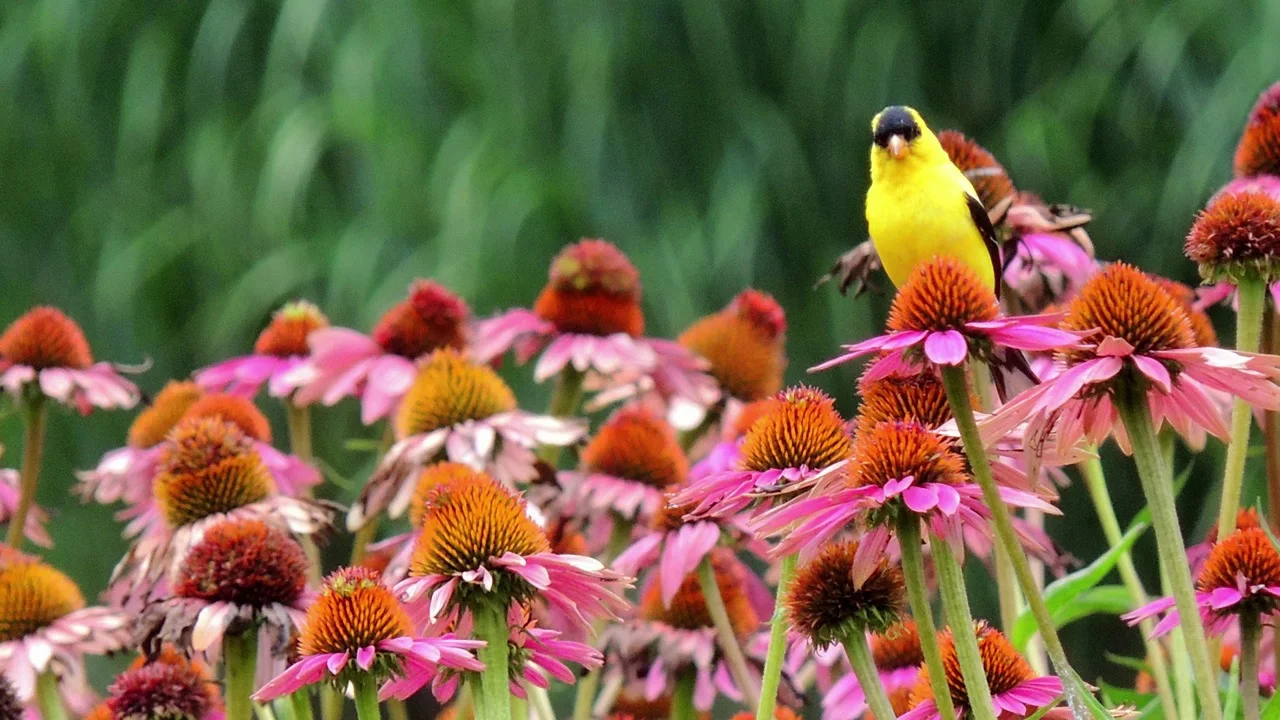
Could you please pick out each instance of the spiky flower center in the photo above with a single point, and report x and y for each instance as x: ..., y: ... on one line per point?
x: 801, y: 429
x: 1203, y: 333
x: 920, y: 397
x: 743, y: 345
x: 427, y: 489
x: 1246, y: 518
x: 286, y: 334
x: 161, y: 691
x: 45, y: 338
x: 209, y: 467
x: 898, y: 647
x: 1245, y: 556
x: 233, y: 409
x: 986, y: 173
x: 1237, y: 235
x: 157, y: 419
x: 593, y: 289
x: 688, y: 610
x: 354, y: 610
x: 762, y: 311
x: 1125, y: 303
x: 747, y: 417
x: 471, y: 522
x: 1259, y: 150
x: 10, y: 707
x: 431, y: 318
x: 1004, y: 667
x: 448, y: 390
x: 825, y: 606
x: 32, y: 596
x: 635, y: 444
x: 897, y: 450
x: 942, y: 294
x: 245, y: 562
x: 670, y: 518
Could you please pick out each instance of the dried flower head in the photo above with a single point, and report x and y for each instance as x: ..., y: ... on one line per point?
x: 986, y: 173
x: 45, y: 338
x: 826, y: 606
x: 897, y: 397
x: 354, y: 610
x: 1259, y: 150
x: 33, y: 595
x: 743, y: 344
x: 233, y: 409
x: 162, y: 690
x: 635, y: 444
x: 1237, y: 237
x: 430, y: 480
x: 1202, y: 330
x: 802, y: 429
x: 245, y: 562
x: 157, y: 419
x: 209, y: 467
x: 286, y: 334
x: 1004, y: 667
x: 1245, y: 560
x: 944, y: 294
x: 688, y: 610
x: 449, y: 390
x: 430, y: 319
x: 594, y: 290
x: 1123, y: 302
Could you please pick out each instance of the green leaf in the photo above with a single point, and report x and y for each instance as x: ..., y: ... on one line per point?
x: 1104, y: 600
x: 1271, y: 711
x: 1231, y: 696
x: 1071, y: 587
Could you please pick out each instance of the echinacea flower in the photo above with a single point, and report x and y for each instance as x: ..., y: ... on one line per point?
x: 1241, y: 575
x: 1016, y: 691
x: 797, y: 441
x: 45, y: 626
x: 478, y: 545
x: 379, y: 368
x: 1237, y: 236
x: 208, y: 470
x: 898, y: 658
x: 280, y: 347
x: 242, y: 575
x: 1246, y: 518
x: 588, y: 317
x: 825, y: 605
x: 743, y: 345
x: 356, y: 626
x: 46, y: 350
x: 33, y: 526
x: 1258, y: 153
x: 169, y: 687
x: 458, y: 410
x: 1136, y: 334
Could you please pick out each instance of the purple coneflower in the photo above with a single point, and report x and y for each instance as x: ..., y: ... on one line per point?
x: 281, y: 347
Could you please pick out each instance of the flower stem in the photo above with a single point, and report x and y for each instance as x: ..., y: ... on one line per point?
x: 682, y: 699
x: 1271, y: 430
x: 864, y: 667
x: 33, y: 417
x: 367, y: 697
x: 240, y: 663
x: 492, y: 688
x: 565, y: 400
x: 585, y: 696
x: 1158, y: 487
x: 955, y: 603
x: 777, y: 643
x: 724, y: 631
x: 48, y: 698
x: 1096, y: 482
x: 1251, y: 293
x: 366, y: 534
x: 299, y: 419
x: 396, y: 709
x: 953, y: 379
x: 918, y: 592
x: 1250, y: 639
x: 300, y: 703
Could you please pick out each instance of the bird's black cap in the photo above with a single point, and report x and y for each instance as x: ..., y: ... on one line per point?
x: 895, y: 120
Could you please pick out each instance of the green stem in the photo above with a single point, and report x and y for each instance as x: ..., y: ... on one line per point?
x: 1158, y: 487
x: 492, y: 686
x: 955, y: 603
x: 682, y: 699
x: 1250, y: 638
x: 240, y: 663
x: 299, y: 419
x: 1096, y: 482
x: 565, y: 400
x: 777, y: 643
x: 396, y: 709
x: 300, y: 703
x: 953, y: 379
x: 48, y: 698
x: 519, y: 709
x: 367, y: 697
x: 366, y: 534
x: 1006, y: 588
x: 585, y: 695
x: 1251, y: 293
x: 724, y: 631
x: 864, y: 667
x: 918, y: 592
x: 33, y: 417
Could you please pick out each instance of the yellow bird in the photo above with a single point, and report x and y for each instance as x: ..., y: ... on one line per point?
x: 920, y: 205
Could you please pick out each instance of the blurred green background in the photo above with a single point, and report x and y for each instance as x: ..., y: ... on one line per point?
x: 172, y: 172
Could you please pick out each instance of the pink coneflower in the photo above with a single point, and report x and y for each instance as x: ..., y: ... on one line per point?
x: 588, y: 317
x: 45, y: 627
x: 461, y: 411
x: 33, y: 526
x: 169, y: 686
x: 379, y: 368
x: 478, y: 546
x: 355, y: 630
x: 46, y: 350
x: 280, y: 348
x: 1258, y: 153
x: 1136, y: 333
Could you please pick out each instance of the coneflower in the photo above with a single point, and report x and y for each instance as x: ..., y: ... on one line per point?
x: 169, y: 687
x: 743, y: 345
x: 280, y: 347
x: 44, y: 355
x: 1259, y: 150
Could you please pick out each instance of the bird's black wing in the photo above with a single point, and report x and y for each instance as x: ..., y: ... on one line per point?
x: 988, y: 232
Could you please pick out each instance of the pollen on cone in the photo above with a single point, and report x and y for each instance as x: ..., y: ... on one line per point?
x: 33, y: 595
x: 286, y: 334
x: 1246, y: 556
x: 448, y: 390
x: 743, y: 344
x: 919, y: 397
x: 801, y: 429
x: 635, y: 444
x: 157, y: 419
x: 1237, y: 235
x: 1123, y: 302
x: 896, y: 450
x: 234, y: 409
x: 688, y: 609
x: 942, y: 294
x: 987, y: 175
x: 825, y: 606
x: 1259, y: 150
x: 245, y: 562
x: 354, y: 610
x: 1004, y: 667
x: 45, y: 338
x: 594, y: 290
x: 430, y: 480
x: 209, y: 467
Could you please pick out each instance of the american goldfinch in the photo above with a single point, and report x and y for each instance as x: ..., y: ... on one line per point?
x: 920, y: 205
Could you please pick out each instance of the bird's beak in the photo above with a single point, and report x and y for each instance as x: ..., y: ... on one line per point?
x: 897, y: 146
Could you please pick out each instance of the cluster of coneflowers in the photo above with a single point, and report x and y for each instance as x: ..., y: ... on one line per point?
x: 678, y: 529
